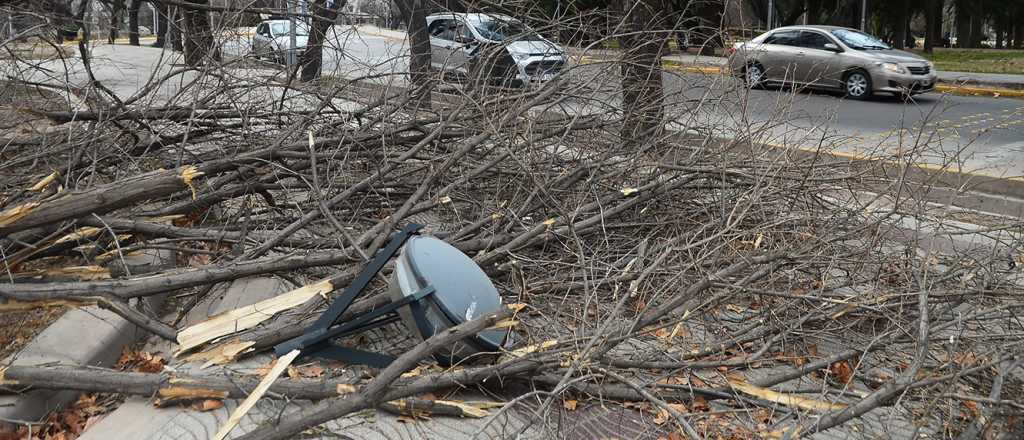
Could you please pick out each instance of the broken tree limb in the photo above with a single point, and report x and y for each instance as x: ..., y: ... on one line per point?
x: 152, y: 284
x: 99, y: 199
x: 374, y: 392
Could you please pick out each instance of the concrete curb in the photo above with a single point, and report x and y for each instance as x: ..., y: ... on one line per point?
x: 83, y: 336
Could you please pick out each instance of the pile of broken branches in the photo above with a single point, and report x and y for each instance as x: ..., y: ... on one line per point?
x: 679, y: 271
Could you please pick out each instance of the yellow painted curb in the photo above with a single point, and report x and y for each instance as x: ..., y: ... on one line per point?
x: 980, y: 91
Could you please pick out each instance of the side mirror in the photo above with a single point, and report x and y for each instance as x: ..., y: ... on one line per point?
x: 832, y: 47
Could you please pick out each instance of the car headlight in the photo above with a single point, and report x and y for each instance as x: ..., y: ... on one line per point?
x: 519, y: 56
x: 892, y: 67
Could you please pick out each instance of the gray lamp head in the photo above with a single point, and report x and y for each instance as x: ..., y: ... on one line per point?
x: 462, y: 292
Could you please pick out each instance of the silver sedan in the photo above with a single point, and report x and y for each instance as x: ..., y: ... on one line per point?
x: 830, y: 57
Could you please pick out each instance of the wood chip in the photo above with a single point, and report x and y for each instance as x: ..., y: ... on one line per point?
x: 221, y: 354
x: 279, y: 366
x: 16, y: 213
x: 247, y: 317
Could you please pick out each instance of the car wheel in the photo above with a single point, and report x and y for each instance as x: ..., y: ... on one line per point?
x: 858, y: 85
x: 753, y: 76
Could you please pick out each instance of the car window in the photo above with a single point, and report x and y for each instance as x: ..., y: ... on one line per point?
x: 281, y: 28
x: 784, y: 38
x: 500, y: 30
x: 859, y: 40
x: 443, y: 29
x: 813, y: 40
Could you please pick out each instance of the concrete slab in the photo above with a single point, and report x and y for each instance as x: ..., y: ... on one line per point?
x: 83, y: 336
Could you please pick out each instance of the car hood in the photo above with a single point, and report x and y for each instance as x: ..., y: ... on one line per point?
x: 540, y: 48
x: 286, y: 41
x: 893, y: 56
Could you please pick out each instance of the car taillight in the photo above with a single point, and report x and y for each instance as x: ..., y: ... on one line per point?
x: 731, y: 50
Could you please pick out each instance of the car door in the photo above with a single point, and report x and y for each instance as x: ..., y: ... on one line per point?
x: 442, y: 42
x: 261, y: 39
x: 819, y: 65
x: 780, y: 54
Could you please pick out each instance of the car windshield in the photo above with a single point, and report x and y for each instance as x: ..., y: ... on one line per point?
x: 859, y: 40
x: 501, y: 30
x: 281, y: 28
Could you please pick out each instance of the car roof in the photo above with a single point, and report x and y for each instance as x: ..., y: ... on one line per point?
x: 816, y: 27
x: 475, y: 17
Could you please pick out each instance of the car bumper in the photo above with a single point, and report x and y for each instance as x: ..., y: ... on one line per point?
x: 538, y: 69
x: 885, y: 81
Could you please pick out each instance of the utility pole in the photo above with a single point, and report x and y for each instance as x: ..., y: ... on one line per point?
x: 771, y: 12
x: 864, y: 15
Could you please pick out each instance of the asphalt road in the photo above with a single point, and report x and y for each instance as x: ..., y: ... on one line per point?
x: 976, y: 133
x: 980, y: 133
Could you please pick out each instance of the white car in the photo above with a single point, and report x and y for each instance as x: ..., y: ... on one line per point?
x: 496, y: 47
x: 273, y: 39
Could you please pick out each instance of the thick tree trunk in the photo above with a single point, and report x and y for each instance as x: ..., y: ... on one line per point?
x: 931, y: 21
x: 116, y: 8
x: 1000, y: 26
x: 1018, y: 32
x: 977, y: 36
x: 312, y: 57
x: 963, y: 25
x: 174, y: 23
x: 133, y: 22
x: 415, y: 15
x: 199, y: 43
x: 643, y: 43
x: 162, y: 22
x: 902, y: 18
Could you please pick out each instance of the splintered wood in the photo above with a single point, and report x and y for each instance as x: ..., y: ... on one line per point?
x: 247, y: 317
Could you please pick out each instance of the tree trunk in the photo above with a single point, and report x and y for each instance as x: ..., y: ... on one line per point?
x: 902, y: 19
x: 1018, y: 32
x: 116, y: 8
x: 175, y: 31
x: 642, y: 94
x: 977, y: 36
x: 1000, y: 26
x: 931, y: 21
x: 312, y: 57
x: 162, y: 22
x: 415, y: 15
x: 199, y: 43
x: 963, y: 25
x: 133, y: 22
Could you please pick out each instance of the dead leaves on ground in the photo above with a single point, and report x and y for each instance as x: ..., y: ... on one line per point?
x: 140, y: 361
x: 69, y: 423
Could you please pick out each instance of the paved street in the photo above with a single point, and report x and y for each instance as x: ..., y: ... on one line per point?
x: 981, y: 133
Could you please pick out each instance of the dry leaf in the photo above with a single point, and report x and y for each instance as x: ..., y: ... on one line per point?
x: 661, y: 417
x: 700, y: 404
x: 208, y: 405
x: 344, y: 388
x: 569, y: 404
x: 842, y: 371
x: 307, y: 371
